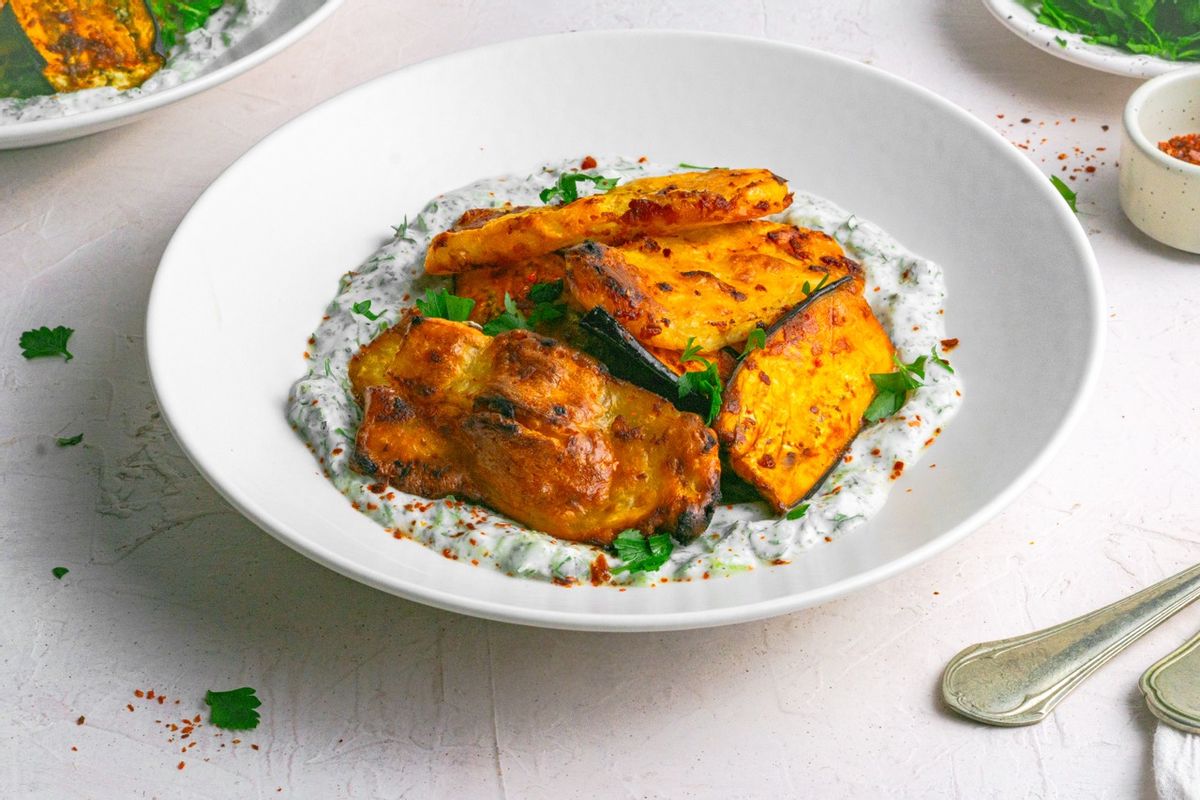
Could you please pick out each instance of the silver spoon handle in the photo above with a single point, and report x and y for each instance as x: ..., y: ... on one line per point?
x: 1172, y: 687
x: 1019, y: 681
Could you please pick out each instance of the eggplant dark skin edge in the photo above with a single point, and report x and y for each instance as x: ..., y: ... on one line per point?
x: 628, y: 360
x: 775, y: 326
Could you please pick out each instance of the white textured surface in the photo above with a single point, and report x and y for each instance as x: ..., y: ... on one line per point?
x: 369, y: 696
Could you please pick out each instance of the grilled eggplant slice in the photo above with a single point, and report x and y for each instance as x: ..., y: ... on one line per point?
x: 87, y: 44
x: 713, y: 285
x: 792, y: 408
x: 532, y: 428
x: 647, y: 205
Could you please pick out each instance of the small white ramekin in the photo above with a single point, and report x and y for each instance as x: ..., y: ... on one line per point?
x: 1159, y: 193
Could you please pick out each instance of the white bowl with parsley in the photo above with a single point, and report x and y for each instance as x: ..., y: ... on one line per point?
x: 253, y: 265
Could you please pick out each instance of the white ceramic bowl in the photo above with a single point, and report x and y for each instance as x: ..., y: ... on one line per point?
x: 287, y: 24
x: 1160, y: 193
x: 255, y: 262
x: 1018, y: 18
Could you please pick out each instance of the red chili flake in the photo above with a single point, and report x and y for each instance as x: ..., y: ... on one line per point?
x: 181, y: 765
x: 138, y: 693
x: 587, y: 163
x: 1104, y: 128
x: 129, y: 706
x: 1026, y: 120
x: 1185, y: 147
x: 875, y: 452
x: 253, y: 747
x: 999, y: 116
x: 74, y: 749
x: 829, y: 538
x: 897, y: 469
x: 80, y: 721
x: 948, y: 344
x: 1062, y: 156
x: 599, y: 570
x: 643, y: 160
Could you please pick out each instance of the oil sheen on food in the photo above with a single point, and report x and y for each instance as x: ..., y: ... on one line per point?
x: 909, y: 303
x: 191, y: 55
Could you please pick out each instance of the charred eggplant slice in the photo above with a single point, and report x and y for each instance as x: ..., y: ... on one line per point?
x: 792, y: 407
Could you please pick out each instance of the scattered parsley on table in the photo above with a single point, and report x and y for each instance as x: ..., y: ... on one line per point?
x: 44, y: 342
x: 233, y: 710
x: 1065, y: 191
x: 69, y: 441
x: 58, y: 572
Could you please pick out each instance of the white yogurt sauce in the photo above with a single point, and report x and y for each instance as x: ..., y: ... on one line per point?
x: 906, y: 292
x: 191, y: 54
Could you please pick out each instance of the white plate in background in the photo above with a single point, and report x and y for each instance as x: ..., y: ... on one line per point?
x: 251, y: 268
x: 1016, y: 16
x: 290, y: 21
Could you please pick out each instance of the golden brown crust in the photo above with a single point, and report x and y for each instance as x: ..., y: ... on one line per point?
x: 87, y: 45
x: 646, y: 205
x: 532, y: 428
x: 791, y: 408
x: 713, y: 285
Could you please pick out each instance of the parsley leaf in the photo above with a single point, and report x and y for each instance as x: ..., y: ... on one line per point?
x: 233, y: 710
x: 706, y: 381
x: 512, y: 319
x: 70, y: 441
x: 443, y: 305
x: 757, y: 340
x: 42, y: 342
x: 892, y: 388
x: 546, y: 292
x: 364, y: 308
x: 175, y: 18
x: 546, y: 312
x: 1065, y: 191
x: 566, y: 189
x: 58, y: 572
x: 941, y: 362
x: 797, y: 512
x: 642, y: 553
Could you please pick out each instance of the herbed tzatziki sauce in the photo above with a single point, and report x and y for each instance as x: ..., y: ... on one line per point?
x: 191, y: 54
x: 906, y: 292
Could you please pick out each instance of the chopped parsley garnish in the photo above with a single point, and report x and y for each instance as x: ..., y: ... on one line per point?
x: 364, y: 308
x: 402, y: 230
x: 706, y: 381
x: 757, y: 340
x: 685, y: 165
x: 233, y: 710
x: 1065, y: 191
x: 642, y: 553
x: 809, y: 290
x: 566, y: 190
x: 343, y: 432
x: 1165, y: 28
x: 546, y: 292
x: 512, y: 319
x: 545, y: 309
x: 42, y: 342
x: 443, y: 305
x: 892, y: 388
x: 69, y: 441
x: 797, y: 512
x: 58, y: 572
x: 175, y: 18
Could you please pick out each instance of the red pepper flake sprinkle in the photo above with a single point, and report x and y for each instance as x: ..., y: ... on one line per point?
x: 129, y: 706
x: 181, y: 765
x: 949, y: 344
x: 80, y: 721
x: 897, y: 469
x: 1185, y: 147
x: 587, y: 163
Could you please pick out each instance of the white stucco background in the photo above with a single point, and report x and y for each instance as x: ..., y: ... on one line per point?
x: 366, y: 695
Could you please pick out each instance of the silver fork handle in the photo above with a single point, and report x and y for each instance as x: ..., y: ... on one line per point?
x: 1019, y: 681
